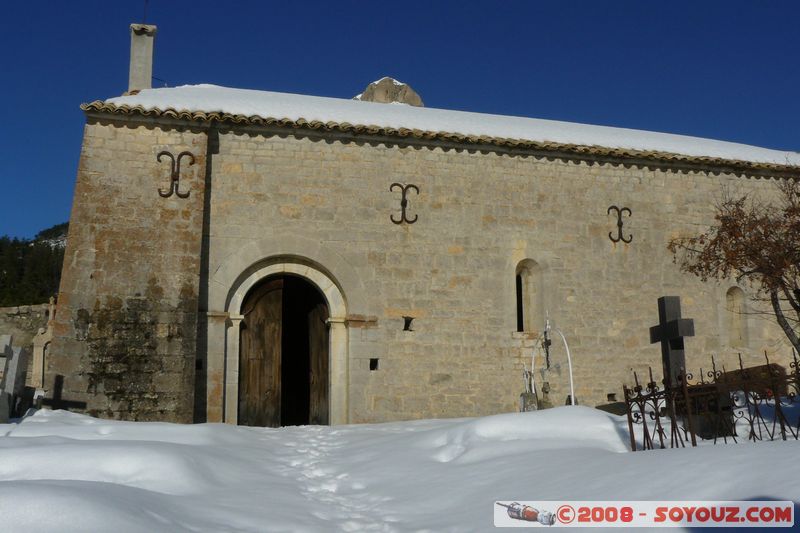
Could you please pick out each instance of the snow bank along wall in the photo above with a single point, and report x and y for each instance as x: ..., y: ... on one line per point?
x: 146, y: 328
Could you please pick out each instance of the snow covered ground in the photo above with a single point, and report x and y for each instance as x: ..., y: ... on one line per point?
x: 61, y: 471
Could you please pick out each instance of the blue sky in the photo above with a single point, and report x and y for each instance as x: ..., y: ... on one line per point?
x: 719, y: 69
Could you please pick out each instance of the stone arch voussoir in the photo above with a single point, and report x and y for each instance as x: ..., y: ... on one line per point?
x: 295, y: 255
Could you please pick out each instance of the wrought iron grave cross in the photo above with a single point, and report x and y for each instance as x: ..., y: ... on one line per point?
x: 670, y: 331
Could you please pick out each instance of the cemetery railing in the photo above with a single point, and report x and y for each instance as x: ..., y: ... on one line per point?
x: 759, y: 403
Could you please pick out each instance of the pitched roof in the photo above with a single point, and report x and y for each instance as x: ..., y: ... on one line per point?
x: 211, y: 102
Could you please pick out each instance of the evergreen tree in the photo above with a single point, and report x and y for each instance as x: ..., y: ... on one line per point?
x: 30, y: 270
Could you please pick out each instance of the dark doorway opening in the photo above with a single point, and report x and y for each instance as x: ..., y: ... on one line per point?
x: 283, y: 361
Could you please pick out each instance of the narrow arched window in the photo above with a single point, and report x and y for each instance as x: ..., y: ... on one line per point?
x: 520, y: 306
x: 529, y: 296
x: 736, y: 317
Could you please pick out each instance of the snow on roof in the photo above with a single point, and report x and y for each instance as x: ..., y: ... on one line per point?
x: 300, y: 108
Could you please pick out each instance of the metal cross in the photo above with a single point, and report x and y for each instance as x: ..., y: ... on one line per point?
x: 57, y: 402
x: 403, y: 203
x: 175, y: 174
x: 619, y: 224
x: 670, y: 331
x: 546, y: 343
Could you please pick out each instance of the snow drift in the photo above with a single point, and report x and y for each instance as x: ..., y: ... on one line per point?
x: 61, y: 471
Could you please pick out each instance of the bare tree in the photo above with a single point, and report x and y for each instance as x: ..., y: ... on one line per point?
x: 755, y: 242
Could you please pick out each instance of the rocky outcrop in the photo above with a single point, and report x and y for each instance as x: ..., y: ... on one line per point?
x: 390, y: 91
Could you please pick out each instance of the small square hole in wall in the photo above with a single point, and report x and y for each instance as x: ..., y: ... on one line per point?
x: 373, y: 364
x: 611, y: 396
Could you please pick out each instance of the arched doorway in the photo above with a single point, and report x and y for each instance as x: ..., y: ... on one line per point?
x: 283, y: 355
x: 224, y: 330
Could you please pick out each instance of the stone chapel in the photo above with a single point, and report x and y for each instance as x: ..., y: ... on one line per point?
x: 270, y: 259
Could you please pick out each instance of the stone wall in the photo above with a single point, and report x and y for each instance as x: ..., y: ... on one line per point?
x: 481, y: 214
x: 139, y: 267
x: 125, y: 331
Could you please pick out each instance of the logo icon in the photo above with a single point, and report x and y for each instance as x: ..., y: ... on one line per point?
x: 517, y: 511
x: 565, y: 514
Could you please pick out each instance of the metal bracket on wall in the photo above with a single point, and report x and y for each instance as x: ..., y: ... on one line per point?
x: 403, y: 202
x: 175, y: 174
x: 619, y: 236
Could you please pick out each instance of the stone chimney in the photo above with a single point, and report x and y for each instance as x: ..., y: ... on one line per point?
x: 390, y: 91
x: 141, y: 69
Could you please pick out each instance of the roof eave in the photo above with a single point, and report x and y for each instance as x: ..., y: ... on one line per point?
x: 459, y: 141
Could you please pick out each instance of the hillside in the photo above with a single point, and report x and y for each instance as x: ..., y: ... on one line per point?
x: 30, y: 269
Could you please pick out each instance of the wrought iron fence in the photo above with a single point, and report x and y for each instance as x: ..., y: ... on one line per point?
x: 756, y: 403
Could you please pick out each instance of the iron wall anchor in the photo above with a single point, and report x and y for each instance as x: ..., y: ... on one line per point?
x: 175, y: 174
x: 403, y: 202
x: 619, y: 236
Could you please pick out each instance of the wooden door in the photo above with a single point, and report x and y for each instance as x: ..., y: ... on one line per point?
x: 318, y: 356
x: 260, y: 356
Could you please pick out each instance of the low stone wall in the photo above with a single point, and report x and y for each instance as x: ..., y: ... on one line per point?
x: 23, y: 323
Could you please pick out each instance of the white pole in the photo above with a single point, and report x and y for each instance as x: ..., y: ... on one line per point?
x: 533, y: 370
x: 569, y: 358
x: 569, y: 364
